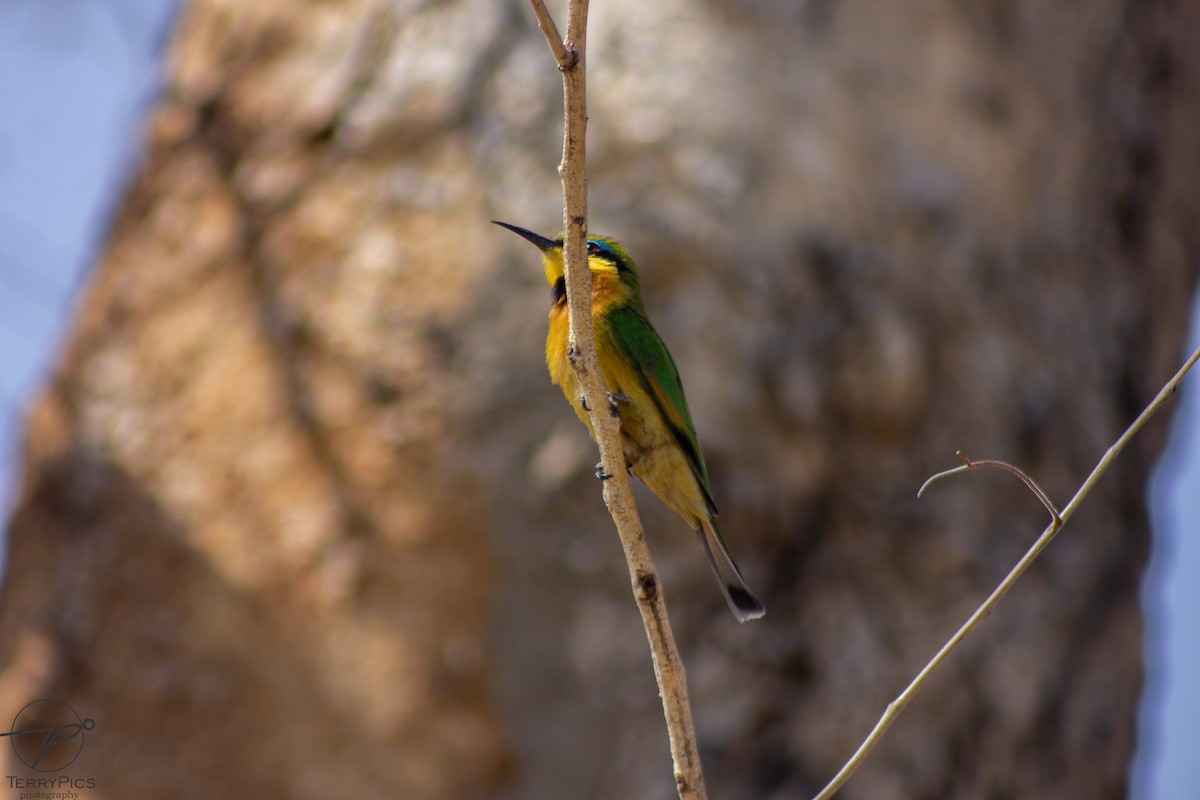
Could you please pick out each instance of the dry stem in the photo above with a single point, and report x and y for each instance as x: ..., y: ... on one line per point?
x: 1029, y: 482
x: 1059, y: 519
x: 618, y: 494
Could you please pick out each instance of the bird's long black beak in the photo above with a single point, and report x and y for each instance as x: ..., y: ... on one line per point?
x: 539, y: 241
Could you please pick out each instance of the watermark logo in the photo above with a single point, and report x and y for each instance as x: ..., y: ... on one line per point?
x: 47, y: 735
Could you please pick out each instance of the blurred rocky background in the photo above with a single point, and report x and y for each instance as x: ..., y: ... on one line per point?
x: 301, y: 515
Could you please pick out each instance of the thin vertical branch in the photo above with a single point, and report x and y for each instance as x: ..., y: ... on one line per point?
x: 618, y: 493
x: 1059, y: 520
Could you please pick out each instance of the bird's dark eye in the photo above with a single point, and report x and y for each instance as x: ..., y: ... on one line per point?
x: 593, y: 248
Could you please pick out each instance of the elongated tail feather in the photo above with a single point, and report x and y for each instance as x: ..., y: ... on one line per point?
x: 742, y: 602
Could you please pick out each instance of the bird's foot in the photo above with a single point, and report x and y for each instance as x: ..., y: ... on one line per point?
x: 602, y: 475
x: 613, y: 399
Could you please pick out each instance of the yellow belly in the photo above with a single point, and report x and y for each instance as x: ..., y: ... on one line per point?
x: 650, y: 448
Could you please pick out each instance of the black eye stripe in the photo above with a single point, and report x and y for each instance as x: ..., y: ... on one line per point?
x: 602, y: 250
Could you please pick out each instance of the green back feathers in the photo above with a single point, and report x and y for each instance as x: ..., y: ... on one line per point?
x: 660, y: 378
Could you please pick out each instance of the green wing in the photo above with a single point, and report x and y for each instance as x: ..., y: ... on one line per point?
x: 656, y: 370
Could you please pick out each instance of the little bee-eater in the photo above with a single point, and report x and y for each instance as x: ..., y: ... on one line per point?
x: 656, y: 428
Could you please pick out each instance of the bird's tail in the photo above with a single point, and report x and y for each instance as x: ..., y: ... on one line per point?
x: 742, y: 602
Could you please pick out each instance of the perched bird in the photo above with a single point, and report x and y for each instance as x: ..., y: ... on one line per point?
x: 656, y: 428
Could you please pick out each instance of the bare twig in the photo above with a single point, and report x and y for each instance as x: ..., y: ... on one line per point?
x: 618, y: 494
x: 968, y: 464
x: 566, y: 58
x: 896, y: 706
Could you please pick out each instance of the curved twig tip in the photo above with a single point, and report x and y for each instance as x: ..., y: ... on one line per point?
x: 1029, y: 482
x: 941, y: 475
